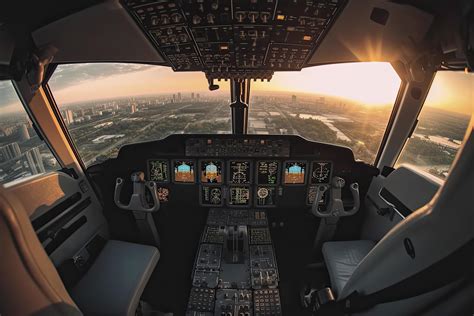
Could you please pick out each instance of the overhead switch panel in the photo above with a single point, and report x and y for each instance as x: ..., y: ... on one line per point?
x: 235, y: 38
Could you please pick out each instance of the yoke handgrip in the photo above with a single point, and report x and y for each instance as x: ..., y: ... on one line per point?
x: 138, y: 199
x: 335, y: 206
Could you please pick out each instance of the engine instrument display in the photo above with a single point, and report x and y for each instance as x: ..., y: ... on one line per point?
x: 240, y: 172
x: 294, y: 172
x: 183, y: 171
x: 211, y: 171
x: 321, y: 172
x: 265, y: 196
x: 211, y: 195
x: 158, y: 170
x: 267, y: 172
x: 239, y: 196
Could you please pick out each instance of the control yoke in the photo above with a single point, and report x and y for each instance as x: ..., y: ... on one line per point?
x: 335, y: 206
x: 138, y: 200
x: 142, y: 211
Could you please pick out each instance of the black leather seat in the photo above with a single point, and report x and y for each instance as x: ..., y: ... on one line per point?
x: 115, y: 282
x: 342, y: 258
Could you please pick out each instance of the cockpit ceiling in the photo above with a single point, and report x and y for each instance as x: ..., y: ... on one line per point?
x: 237, y: 38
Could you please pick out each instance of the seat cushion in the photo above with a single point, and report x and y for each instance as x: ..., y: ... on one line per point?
x: 114, y: 283
x: 342, y: 258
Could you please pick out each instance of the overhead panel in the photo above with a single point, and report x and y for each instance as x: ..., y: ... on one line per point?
x: 235, y: 38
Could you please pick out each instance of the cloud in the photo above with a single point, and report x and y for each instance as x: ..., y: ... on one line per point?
x: 73, y: 74
x: 8, y: 96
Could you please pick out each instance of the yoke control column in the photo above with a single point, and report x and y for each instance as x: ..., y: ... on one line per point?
x: 334, y: 208
x: 139, y: 205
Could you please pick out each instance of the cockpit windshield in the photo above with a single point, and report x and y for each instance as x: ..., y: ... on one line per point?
x: 106, y: 106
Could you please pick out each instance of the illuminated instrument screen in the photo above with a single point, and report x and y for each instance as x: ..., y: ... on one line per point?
x: 267, y: 172
x: 265, y: 196
x: 163, y: 194
x: 184, y: 171
x: 239, y: 172
x: 239, y: 196
x: 321, y: 172
x: 211, y: 195
x: 211, y: 171
x: 158, y: 170
x: 294, y: 172
x: 312, y: 189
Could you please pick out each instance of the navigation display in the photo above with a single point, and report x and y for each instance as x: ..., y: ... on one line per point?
x: 184, y: 171
x: 211, y: 171
x: 294, y: 172
x: 239, y: 196
x: 211, y: 196
x: 321, y: 172
x: 265, y: 196
x: 158, y: 170
x: 267, y: 172
x: 239, y: 172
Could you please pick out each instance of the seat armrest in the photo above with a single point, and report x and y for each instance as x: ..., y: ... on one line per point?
x: 114, y: 283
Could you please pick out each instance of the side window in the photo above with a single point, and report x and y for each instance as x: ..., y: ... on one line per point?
x: 442, y: 124
x: 22, y: 153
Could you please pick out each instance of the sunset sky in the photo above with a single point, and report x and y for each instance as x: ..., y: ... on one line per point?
x: 368, y: 83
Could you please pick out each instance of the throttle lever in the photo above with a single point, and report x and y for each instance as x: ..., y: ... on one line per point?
x: 138, y: 200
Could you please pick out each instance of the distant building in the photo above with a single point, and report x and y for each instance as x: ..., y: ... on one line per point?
x: 10, y: 151
x: 293, y: 98
x: 197, y: 96
x: 23, y: 134
x: 133, y: 108
x: 7, y: 131
x: 179, y: 96
x: 68, y: 117
x: 192, y: 95
x: 35, y: 162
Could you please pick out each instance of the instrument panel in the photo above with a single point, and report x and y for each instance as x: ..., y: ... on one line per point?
x: 240, y: 182
x: 232, y: 170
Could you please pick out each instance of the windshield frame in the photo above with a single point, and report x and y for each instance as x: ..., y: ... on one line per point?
x: 50, y: 96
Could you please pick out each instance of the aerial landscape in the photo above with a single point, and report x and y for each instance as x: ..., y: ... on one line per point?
x: 99, y: 128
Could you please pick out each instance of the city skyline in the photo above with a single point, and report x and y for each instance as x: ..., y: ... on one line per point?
x: 73, y: 83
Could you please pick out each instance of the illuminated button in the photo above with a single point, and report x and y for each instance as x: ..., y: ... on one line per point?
x: 280, y: 17
x: 307, y: 37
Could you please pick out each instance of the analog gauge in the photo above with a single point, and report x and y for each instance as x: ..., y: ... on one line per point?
x: 262, y: 193
x: 321, y: 172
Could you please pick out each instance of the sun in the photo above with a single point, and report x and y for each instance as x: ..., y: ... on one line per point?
x: 370, y: 83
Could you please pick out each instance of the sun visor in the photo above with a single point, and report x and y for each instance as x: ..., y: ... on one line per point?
x: 373, y: 30
x: 101, y: 33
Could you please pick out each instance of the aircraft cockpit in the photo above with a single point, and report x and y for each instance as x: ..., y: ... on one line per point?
x: 236, y: 157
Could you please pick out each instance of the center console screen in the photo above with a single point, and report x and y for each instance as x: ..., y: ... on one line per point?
x: 239, y: 196
x: 239, y: 172
x: 268, y: 172
x: 265, y: 196
x: 211, y: 171
x: 211, y: 195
